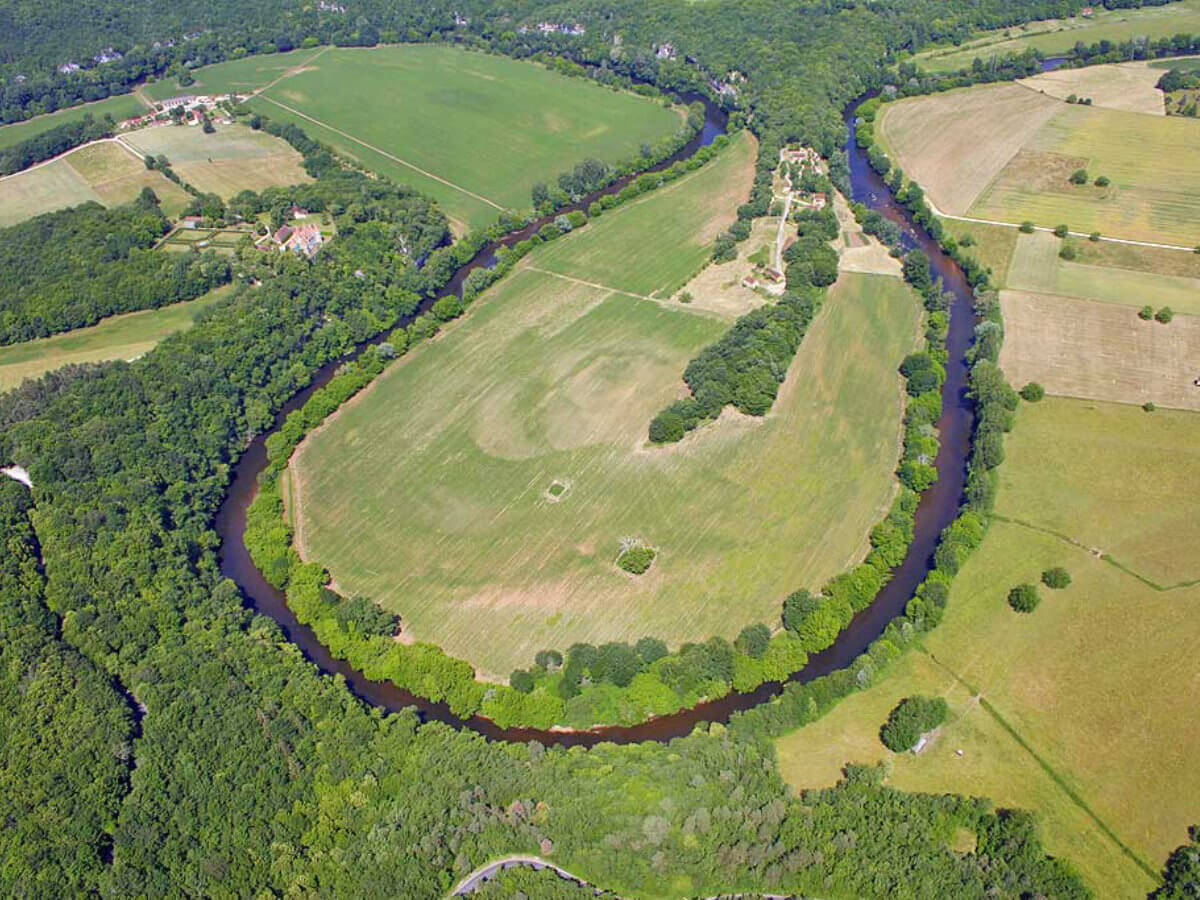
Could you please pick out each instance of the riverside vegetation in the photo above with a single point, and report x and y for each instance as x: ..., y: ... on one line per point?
x: 247, y: 771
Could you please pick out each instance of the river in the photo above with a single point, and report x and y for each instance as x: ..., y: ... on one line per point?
x: 937, y: 509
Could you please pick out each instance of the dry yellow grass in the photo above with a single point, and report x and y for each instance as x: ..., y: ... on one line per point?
x: 718, y: 287
x: 955, y: 143
x: 859, y: 252
x: 1128, y: 86
x: 1100, y: 351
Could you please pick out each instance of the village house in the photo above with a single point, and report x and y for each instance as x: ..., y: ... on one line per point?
x: 665, y: 51
x: 303, y: 239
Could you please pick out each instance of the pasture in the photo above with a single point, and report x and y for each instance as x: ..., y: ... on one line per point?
x: 1006, y: 153
x: 118, y: 337
x: 428, y: 492
x: 1128, y: 86
x: 120, y: 107
x: 240, y: 76
x: 1082, y: 710
x: 101, y: 172
x: 1101, y: 351
x: 234, y: 158
x: 1036, y: 266
x: 1054, y: 37
x: 993, y: 245
x: 422, y: 114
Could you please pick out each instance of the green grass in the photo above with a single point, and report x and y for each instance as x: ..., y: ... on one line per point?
x: 119, y: 337
x: 1152, y: 161
x: 236, y: 76
x: 1037, y: 267
x: 428, y: 492
x: 993, y: 247
x: 121, y: 107
x: 103, y: 173
x: 438, y: 107
x: 1181, y: 64
x: 1059, y: 36
x: 1085, y: 714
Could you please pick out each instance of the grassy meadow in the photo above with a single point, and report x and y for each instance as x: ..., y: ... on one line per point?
x: 241, y: 76
x: 119, y: 337
x: 1005, y: 152
x: 234, y: 158
x: 120, y: 107
x: 429, y: 493
x: 102, y: 172
x: 1058, y: 36
x: 1081, y: 711
x: 436, y: 108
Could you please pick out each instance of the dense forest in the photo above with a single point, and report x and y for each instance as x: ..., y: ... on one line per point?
x: 206, y: 756
x: 71, y: 268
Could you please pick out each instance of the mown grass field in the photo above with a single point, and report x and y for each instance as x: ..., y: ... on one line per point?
x: 234, y: 158
x: 1129, y: 86
x: 1036, y: 266
x: 1006, y: 153
x: 119, y: 337
x: 490, y: 126
x: 429, y: 492
x: 1098, y: 682
x: 993, y: 245
x: 1059, y: 36
x: 120, y: 107
x: 102, y: 172
x: 240, y: 76
x: 1100, y: 351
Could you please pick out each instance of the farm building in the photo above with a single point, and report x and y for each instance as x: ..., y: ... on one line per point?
x: 303, y: 239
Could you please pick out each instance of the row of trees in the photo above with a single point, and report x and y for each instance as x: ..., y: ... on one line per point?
x: 53, y: 142
x: 68, y: 269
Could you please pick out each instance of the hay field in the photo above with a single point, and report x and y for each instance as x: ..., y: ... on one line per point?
x: 101, y: 172
x: 120, y: 107
x: 956, y: 142
x: 1055, y: 37
x: 234, y: 158
x: 1128, y: 86
x: 1153, y: 162
x: 240, y: 76
x: 1037, y: 267
x: 428, y: 492
x: 675, y: 226
x: 1102, y: 351
x: 993, y: 244
x: 1098, y: 681
x: 118, y: 337
x: 436, y: 107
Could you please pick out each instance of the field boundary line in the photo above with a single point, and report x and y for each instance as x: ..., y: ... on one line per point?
x: 384, y: 153
x: 294, y: 70
x: 591, y: 284
x: 1096, y: 551
x: 991, y: 710
x: 1112, y: 240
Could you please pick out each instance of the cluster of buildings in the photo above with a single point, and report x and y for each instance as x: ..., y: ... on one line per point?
x: 554, y: 28
x: 805, y: 159
x: 302, y: 239
x: 191, y: 110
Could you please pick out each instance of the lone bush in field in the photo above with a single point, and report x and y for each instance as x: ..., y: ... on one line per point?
x: 1056, y: 578
x: 911, y: 718
x: 1079, y: 176
x: 1067, y: 252
x: 1149, y: 406
x: 1061, y: 231
x: 1146, y: 312
x: 636, y: 560
x: 1094, y: 237
x: 1024, y: 598
x: 1103, y: 181
x: 1164, y: 315
x: 1027, y: 227
x: 1033, y: 392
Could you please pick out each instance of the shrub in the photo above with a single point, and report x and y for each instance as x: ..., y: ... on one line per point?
x: 636, y: 560
x: 521, y: 680
x: 1061, y: 231
x: 1164, y: 315
x: 1024, y: 598
x: 1071, y: 98
x: 667, y: 427
x: 685, y: 297
x: 1056, y: 578
x: 1026, y: 227
x: 1146, y: 312
x: 1094, y: 237
x: 1103, y: 181
x: 753, y: 640
x: 548, y: 659
x: 1033, y: 392
x: 911, y: 718
x: 1067, y: 251
x: 1148, y: 406
x: 1079, y: 176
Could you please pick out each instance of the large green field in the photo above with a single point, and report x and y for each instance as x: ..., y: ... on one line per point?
x: 241, y: 76
x: 474, y: 131
x: 429, y: 492
x: 1083, y: 710
x: 102, y: 172
x: 120, y: 337
x: 1059, y: 36
x: 120, y: 107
